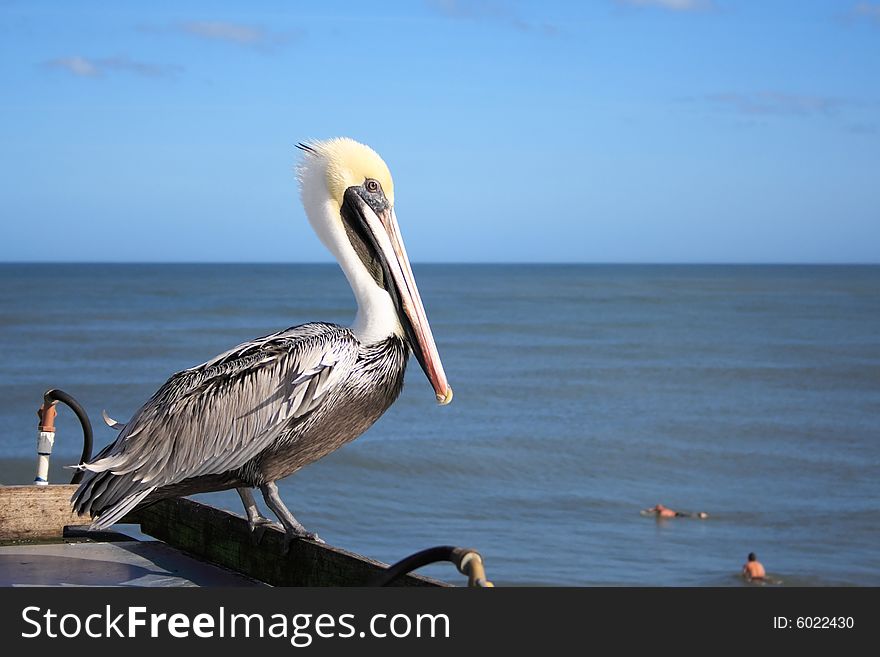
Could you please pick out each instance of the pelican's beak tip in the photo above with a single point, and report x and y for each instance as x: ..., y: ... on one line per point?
x: 444, y: 399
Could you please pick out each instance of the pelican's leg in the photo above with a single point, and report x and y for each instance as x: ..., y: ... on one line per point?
x: 292, y: 527
x: 256, y: 521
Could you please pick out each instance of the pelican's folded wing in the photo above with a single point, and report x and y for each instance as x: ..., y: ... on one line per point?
x: 215, y: 417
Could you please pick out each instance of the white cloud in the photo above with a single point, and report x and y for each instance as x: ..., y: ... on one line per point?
x: 96, y: 67
x: 672, y: 5
x: 79, y: 66
x: 869, y: 10
x: 490, y: 10
x: 239, y: 34
x: 778, y: 103
x: 246, y: 35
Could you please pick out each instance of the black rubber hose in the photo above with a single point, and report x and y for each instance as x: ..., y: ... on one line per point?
x: 419, y: 559
x: 55, y: 395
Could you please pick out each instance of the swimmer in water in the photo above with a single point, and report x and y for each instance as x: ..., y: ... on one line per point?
x: 664, y: 512
x: 753, y: 569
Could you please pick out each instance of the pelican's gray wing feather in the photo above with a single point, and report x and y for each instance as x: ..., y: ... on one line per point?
x: 215, y: 417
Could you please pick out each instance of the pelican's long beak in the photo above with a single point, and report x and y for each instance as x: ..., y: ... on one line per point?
x: 412, y: 312
x: 384, y: 235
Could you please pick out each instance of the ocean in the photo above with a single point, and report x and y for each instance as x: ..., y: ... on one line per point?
x: 583, y: 394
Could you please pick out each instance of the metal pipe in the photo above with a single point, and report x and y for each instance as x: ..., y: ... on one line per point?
x: 46, y: 437
x: 45, y: 442
x: 468, y: 561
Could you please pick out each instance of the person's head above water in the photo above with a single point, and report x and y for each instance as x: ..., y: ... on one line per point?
x: 752, y: 556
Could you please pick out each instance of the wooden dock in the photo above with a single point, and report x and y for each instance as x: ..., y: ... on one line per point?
x: 41, y: 514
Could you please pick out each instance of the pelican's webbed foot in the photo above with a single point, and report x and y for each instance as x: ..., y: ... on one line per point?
x: 292, y: 527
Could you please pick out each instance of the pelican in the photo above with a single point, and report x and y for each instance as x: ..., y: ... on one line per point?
x: 264, y: 409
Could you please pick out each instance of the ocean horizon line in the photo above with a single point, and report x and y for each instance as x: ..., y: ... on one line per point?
x: 488, y: 263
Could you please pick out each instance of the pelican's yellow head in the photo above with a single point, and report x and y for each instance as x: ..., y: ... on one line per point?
x: 348, y: 195
x: 349, y: 163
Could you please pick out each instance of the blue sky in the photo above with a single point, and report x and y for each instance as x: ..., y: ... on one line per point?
x: 597, y: 131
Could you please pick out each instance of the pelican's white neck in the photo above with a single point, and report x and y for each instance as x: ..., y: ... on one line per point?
x: 376, y: 317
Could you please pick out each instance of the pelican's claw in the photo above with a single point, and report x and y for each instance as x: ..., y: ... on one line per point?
x: 290, y: 535
x: 258, y: 527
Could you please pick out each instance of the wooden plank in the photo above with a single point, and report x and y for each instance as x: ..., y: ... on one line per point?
x: 36, y: 512
x: 208, y: 533
x: 225, y: 539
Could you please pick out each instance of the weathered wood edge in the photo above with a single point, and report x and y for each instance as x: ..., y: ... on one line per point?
x: 36, y: 512
x: 225, y: 539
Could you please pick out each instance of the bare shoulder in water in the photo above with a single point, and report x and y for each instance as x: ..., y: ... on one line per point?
x: 662, y: 512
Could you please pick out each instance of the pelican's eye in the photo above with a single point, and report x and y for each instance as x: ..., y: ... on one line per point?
x: 372, y: 185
